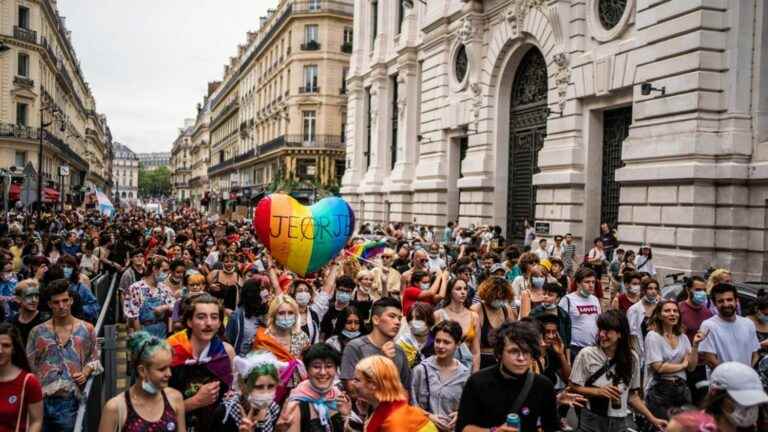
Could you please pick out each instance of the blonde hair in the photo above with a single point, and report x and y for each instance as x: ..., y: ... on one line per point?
x: 383, y: 374
x: 275, y: 305
x: 196, y: 278
x: 363, y: 273
x: 26, y: 284
x: 716, y: 277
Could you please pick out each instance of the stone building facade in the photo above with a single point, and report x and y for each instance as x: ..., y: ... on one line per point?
x: 279, y: 113
x: 125, y: 174
x: 181, y: 162
x: 42, y: 87
x: 647, y: 114
x: 154, y: 160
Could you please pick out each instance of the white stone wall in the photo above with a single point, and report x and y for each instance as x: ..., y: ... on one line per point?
x: 694, y: 181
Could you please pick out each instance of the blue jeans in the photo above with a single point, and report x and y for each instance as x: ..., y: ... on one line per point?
x: 60, y: 413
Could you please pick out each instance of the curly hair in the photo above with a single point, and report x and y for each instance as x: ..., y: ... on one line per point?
x: 495, y: 288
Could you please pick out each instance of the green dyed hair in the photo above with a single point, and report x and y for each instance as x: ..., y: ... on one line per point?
x: 258, y: 371
x: 143, y: 346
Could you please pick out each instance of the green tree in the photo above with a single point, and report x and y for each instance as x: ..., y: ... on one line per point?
x: 155, y: 182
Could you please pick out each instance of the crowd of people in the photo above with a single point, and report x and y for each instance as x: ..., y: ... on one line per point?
x: 445, y: 329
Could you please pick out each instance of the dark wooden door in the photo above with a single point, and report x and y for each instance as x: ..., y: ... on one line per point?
x: 616, y: 124
x: 527, y: 129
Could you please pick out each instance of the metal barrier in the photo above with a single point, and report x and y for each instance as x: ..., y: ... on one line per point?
x: 100, y: 388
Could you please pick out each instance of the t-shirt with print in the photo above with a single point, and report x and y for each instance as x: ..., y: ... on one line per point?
x: 583, y: 313
x: 658, y: 350
x: 589, y: 361
x: 730, y: 340
x: 10, y: 393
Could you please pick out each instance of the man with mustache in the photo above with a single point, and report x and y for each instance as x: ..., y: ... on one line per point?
x: 729, y: 337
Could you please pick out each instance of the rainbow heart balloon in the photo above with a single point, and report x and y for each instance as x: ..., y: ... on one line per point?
x: 303, y: 238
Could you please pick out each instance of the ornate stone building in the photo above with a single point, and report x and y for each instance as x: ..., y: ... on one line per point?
x: 646, y: 114
x: 125, y: 174
x: 279, y: 113
x: 181, y: 162
x: 42, y: 88
x: 154, y: 160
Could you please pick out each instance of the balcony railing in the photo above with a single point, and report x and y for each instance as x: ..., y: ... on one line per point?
x: 310, y: 46
x: 346, y: 47
x: 323, y: 6
x: 8, y: 130
x: 25, y: 34
x: 49, y: 49
x: 23, y: 82
x: 316, y: 141
x: 309, y: 89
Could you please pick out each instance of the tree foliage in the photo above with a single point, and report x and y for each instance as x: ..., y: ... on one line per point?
x: 154, y: 183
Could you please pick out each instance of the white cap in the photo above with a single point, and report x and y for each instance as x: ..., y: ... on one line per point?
x: 741, y: 382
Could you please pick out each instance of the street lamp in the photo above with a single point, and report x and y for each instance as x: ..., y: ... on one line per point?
x: 54, y: 110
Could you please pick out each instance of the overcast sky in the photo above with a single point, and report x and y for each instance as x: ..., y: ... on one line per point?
x: 148, y: 61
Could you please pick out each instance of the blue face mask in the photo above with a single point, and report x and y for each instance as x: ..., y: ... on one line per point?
x: 763, y: 317
x: 699, y: 297
x: 538, y: 282
x: 343, y: 296
x: 161, y: 277
x: 350, y: 334
x: 68, y: 272
x: 286, y: 322
x: 149, y: 387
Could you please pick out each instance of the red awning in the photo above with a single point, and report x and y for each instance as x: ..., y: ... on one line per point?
x: 50, y: 195
x: 14, y: 193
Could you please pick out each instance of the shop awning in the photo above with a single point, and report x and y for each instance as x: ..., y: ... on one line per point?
x: 50, y: 195
x: 14, y: 193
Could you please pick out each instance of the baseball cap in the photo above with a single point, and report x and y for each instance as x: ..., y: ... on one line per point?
x: 496, y: 267
x: 741, y: 382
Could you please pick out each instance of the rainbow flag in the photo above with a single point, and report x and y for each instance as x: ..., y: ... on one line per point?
x: 367, y: 250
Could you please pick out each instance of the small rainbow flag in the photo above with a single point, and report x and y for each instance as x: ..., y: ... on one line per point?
x: 367, y: 250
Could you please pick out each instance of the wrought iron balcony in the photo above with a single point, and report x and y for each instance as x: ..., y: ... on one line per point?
x: 309, y: 89
x: 346, y: 47
x: 25, y: 34
x: 323, y: 6
x: 310, y: 46
x: 300, y: 141
x: 8, y: 130
x: 23, y: 82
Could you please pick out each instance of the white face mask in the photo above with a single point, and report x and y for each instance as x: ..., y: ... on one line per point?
x: 303, y: 298
x: 419, y: 327
x: 743, y: 416
x: 261, y: 401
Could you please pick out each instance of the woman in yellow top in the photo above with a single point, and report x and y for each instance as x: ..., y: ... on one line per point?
x: 377, y: 382
x: 457, y: 309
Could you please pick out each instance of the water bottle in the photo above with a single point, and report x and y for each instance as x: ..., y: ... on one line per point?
x: 513, y: 420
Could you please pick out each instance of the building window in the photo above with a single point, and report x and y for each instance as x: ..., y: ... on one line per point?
x: 21, y: 159
x: 23, y: 17
x: 346, y: 44
x: 310, y: 127
x: 23, y: 65
x: 311, y: 38
x: 610, y: 12
x: 400, y: 16
x: 374, y: 21
x: 369, y: 126
x: 310, y: 79
x: 461, y: 64
x: 306, y: 169
x: 393, y: 143
x: 344, y: 73
x: 340, y: 167
x: 314, y: 5
x: 21, y: 114
x: 463, y: 147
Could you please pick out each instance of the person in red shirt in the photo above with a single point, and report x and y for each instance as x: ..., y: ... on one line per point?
x: 693, y: 312
x: 21, y: 395
x: 422, y: 290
